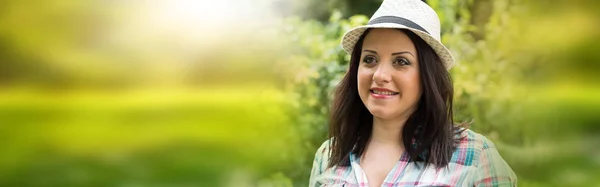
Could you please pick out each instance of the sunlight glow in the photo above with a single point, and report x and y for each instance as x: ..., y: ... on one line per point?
x: 194, y: 13
x: 195, y: 20
x: 176, y: 29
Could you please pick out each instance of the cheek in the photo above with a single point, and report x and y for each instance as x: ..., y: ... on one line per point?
x: 411, y: 84
x: 364, y: 78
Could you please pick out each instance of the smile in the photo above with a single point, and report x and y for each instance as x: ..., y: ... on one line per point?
x: 387, y: 93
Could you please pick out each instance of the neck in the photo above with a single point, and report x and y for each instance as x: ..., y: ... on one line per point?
x: 387, y: 132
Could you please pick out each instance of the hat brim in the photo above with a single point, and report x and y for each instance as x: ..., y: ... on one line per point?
x: 351, y: 37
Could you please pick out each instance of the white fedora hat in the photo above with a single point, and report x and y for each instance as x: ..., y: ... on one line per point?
x: 413, y: 15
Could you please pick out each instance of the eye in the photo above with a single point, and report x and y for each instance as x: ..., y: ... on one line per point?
x: 401, y: 62
x: 369, y: 59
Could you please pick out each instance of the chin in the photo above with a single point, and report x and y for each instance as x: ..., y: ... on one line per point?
x: 382, y: 114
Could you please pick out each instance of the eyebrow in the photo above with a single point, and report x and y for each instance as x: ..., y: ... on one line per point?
x: 396, y: 53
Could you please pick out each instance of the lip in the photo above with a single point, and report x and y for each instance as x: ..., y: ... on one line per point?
x: 382, y: 96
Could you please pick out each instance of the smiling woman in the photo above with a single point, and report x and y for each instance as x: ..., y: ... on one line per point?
x: 391, y: 121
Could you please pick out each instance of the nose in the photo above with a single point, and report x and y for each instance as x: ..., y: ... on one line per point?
x: 382, y: 74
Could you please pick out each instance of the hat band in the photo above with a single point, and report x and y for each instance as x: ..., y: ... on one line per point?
x: 397, y: 20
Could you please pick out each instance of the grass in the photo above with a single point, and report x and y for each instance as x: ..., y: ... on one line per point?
x: 140, y: 138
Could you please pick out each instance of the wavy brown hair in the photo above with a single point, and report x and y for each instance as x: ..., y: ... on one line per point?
x: 429, y: 133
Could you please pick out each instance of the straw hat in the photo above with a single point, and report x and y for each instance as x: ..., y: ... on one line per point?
x: 413, y: 15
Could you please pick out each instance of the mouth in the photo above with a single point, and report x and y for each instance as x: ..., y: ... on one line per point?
x: 382, y: 92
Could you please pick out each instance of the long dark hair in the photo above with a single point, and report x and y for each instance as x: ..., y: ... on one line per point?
x: 429, y: 133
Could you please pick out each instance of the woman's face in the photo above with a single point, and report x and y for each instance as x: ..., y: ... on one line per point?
x: 388, y: 74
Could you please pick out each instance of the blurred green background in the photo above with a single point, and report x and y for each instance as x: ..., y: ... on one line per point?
x: 236, y: 92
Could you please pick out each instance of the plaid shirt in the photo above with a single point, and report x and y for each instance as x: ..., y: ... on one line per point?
x: 475, y: 162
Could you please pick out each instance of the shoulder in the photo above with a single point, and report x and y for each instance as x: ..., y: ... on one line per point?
x: 320, y: 163
x: 322, y: 154
x: 470, y: 148
x: 473, y: 140
x: 479, y: 152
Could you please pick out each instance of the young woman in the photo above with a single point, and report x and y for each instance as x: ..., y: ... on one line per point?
x: 391, y: 120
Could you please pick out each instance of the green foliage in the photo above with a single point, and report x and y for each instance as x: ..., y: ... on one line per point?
x: 322, y: 10
x: 493, y: 79
x: 315, y: 67
x: 524, y: 82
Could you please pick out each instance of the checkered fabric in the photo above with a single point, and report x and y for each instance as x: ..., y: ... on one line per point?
x: 475, y: 162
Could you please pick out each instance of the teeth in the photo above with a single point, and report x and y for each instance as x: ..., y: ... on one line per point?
x: 383, y: 92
